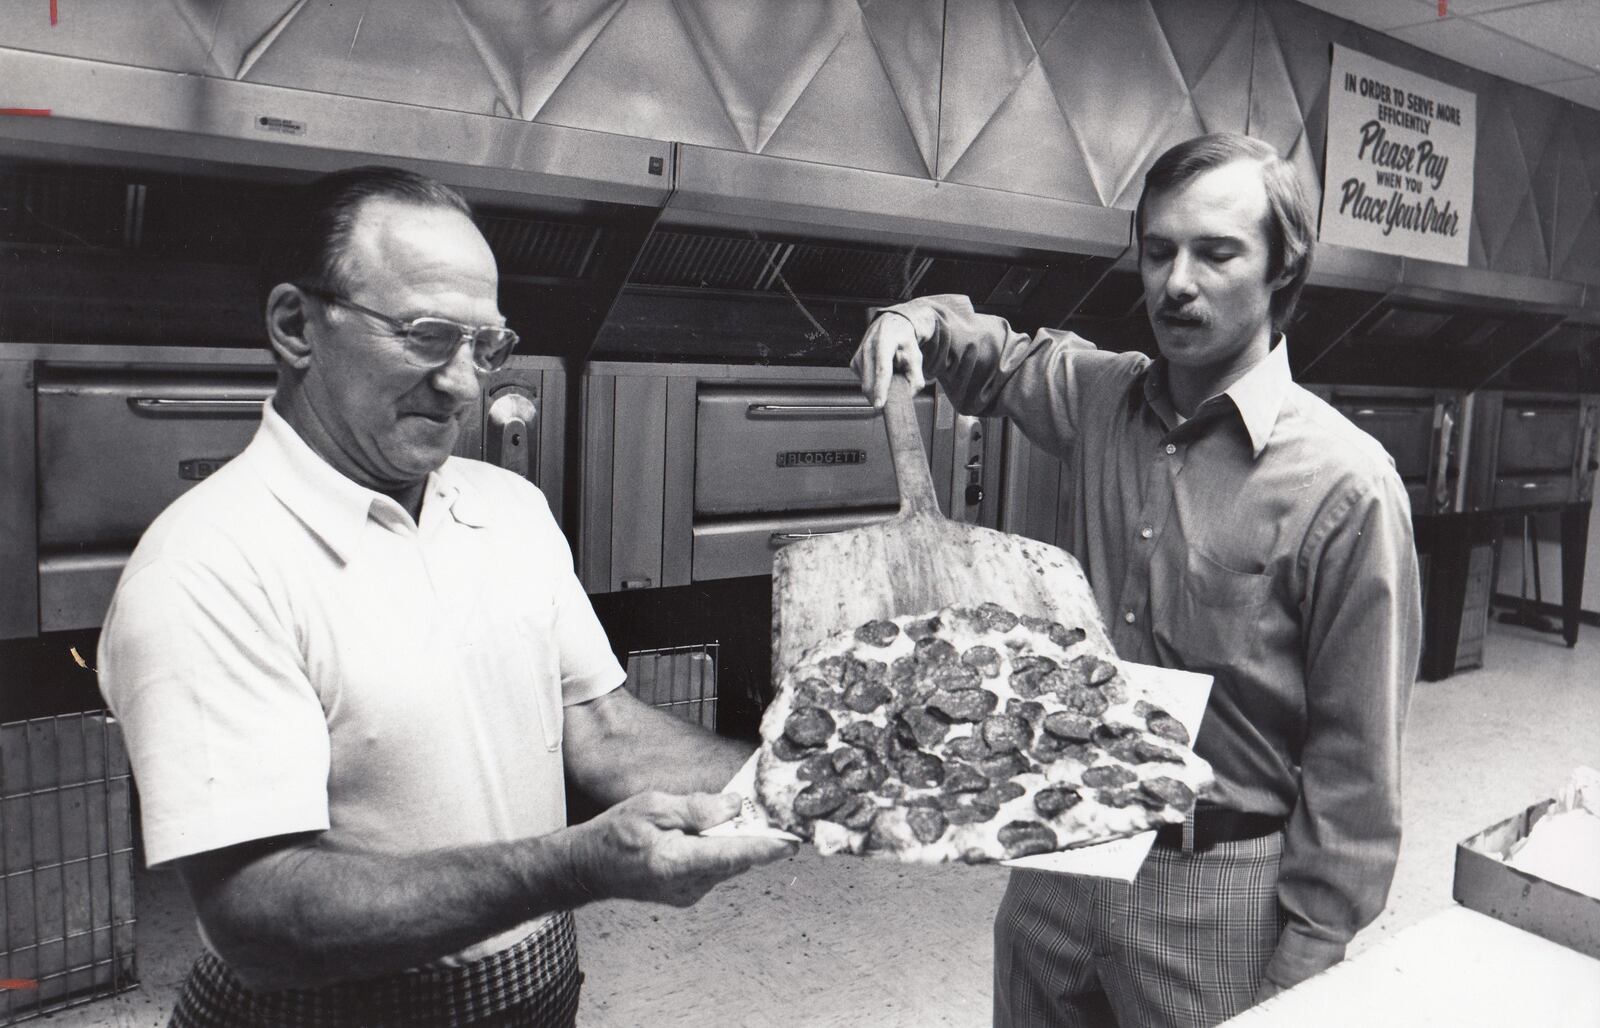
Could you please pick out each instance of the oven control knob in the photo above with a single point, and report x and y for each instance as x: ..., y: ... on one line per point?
x: 974, y: 495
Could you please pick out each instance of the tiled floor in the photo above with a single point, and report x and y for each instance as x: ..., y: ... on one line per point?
x: 846, y: 942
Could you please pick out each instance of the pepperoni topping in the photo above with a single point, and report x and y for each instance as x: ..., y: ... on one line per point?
x: 817, y: 765
x: 1143, y: 751
x: 864, y: 777
x: 1066, y: 637
x: 920, y: 769
x: 968, y: 747
x: 927, y: 823
x: 866, y: 696
x: 925, y: 628
x: 1168, y: 727
x: 878, y: 633
x: 1097, y: 671
x: 1070, y: 727
x: 1003, y: 792
x: 1023, y: 838
x: 785, y: 748
x: 955, y: 677
x: 983, y: 659
x: 1004, y: 765
x: 857, y: 813
x: 814, y: 692
x: 963, y: 704
x: 935, y: 651
x: 968, y: 808
x: 808, y: 726
x: 960, y: 777
x: 925, y: 730
x: 864, y: 734
x: 1027, y: 710
x: 1089, y: 702
x: 1108, y: 776
x: 996, y: 618
x: 1057, y: 799
x: 1004, y: 732
x: 820, y: 798
x: 1169, y: 791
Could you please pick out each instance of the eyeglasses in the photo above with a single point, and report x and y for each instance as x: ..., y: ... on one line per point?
x: 431, y: 342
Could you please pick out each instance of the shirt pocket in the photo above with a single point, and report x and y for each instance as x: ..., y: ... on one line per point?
x: 1213, y: 615
x: 515, y: 661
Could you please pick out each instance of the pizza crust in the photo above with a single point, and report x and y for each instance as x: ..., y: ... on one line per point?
x: 911, y: 660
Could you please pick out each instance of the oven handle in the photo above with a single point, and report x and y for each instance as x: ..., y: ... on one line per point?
x: 186, y: 406
x: 860, y: 411
x: 785, y: 538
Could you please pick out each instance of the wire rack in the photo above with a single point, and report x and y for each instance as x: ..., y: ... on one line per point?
x: 679, y: 679
x: 66, y: 864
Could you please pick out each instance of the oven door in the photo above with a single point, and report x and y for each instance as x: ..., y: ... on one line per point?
x: 115, y: 447
x: 774, y: 464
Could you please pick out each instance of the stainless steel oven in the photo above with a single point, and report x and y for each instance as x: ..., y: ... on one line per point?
x: 1532, y: 449
x: 695, y: 473
x: 96, y: 441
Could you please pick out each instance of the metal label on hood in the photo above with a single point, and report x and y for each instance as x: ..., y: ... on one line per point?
x: 283, y: 126
x: 820, y: 458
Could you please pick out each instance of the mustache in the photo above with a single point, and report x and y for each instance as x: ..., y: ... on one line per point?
x: 1183, y: 312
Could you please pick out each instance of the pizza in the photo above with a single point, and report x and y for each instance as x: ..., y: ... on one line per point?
x: 969, y: 734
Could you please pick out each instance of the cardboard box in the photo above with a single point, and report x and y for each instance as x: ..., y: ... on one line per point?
x: 1486, y: 883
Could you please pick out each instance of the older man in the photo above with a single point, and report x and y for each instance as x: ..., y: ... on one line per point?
x: 1231, y: 523
x: 353, y: 670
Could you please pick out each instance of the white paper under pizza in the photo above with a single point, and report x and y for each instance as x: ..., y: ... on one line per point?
x: 1184, y: 695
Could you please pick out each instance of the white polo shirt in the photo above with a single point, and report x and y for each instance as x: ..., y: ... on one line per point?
x: 288, y: 652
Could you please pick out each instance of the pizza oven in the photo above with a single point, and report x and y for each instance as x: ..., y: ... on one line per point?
x: 98, y: 440
x: 696, y: 473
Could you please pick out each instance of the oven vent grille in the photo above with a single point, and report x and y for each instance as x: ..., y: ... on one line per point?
x: 819, y: 270
x: 52, y: 208
x: 539, y: 249
x: 681, y: 680
x: 702, y: 260
x: 706, y: 262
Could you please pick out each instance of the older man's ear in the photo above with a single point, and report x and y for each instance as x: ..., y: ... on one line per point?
x: 286, y: 325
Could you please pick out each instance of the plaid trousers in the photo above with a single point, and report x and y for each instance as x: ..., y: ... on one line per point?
x: 531, y: 984
x: 1185, y: 943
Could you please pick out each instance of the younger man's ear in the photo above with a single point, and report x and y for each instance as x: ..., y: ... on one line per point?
x: 286, y: 325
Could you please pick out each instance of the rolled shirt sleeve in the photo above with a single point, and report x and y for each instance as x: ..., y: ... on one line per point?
x: 988, y: 368
x: 1363, y: 639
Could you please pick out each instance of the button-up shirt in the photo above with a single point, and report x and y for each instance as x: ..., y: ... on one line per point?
x: 1265, y: 541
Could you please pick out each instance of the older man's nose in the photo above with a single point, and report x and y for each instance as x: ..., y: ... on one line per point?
x: 459, y: 375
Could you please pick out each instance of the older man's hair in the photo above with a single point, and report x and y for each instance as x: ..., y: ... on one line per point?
x: 312, y: 237
x: 1288, y: 228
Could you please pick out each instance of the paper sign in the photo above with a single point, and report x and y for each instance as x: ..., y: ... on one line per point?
x: 1400, y: 150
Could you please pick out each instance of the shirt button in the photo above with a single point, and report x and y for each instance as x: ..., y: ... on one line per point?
x: 1171, y: 449
x: 1128, y: 616
x: 1146, y: 532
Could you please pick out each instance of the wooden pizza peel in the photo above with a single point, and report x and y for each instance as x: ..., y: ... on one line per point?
x: 917, y: 561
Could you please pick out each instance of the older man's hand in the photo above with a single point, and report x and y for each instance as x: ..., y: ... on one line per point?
x: 648, y: 848
x: 889, y: 345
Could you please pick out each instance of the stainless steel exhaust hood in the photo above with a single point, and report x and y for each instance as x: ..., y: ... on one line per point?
x: 629, y: 247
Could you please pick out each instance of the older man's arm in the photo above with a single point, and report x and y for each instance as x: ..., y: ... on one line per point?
x: 614, y: 746
x: 293, y: 912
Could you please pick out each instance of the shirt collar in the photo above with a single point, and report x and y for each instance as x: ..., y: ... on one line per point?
x: 337, y: 508
x: 1258, y: 394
